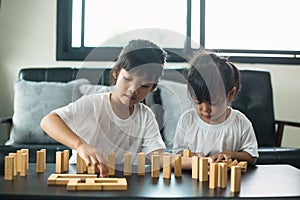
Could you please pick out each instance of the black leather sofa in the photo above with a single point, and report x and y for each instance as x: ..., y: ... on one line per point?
x: 255, y: 100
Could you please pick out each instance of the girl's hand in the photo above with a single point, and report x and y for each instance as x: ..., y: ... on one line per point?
x: 199, y: 154
x: 93, y: 157
x: 219, y: 157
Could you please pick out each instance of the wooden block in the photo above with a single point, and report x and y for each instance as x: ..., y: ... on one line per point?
x: 19, y: 155
x: 167, y: 167
x: 235, y: 179
x: 71, y: 185
x: 233, y: 163
x: 27, y: 157
x: 213, y: 176
x: 115, y: 184
x: 14, y: 155
x: 98, y: 184
x: 40, y: 161
x: 59, y: 162
x: 80, y: 165
x: 24, y: 164
x: 243, y: 165
x: 155, y: 166
x: 111, y: 163
x: 127, y: 164
x: 141, y: 163
x: 222, y: 175
x: 91, y: 169
x: 178, y: 166
x: 203, y: 169
x: 9, y: 168
x: 195, y: 167
x: 186, y: 153
x: 63, y: 179
x: 66, y: 156
x: 45, y: 158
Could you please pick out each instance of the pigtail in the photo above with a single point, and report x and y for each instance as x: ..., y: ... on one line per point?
x: 236, y: 76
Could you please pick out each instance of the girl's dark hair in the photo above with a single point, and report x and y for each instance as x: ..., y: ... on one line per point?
x: 211, y: 77
x: 141, y: 57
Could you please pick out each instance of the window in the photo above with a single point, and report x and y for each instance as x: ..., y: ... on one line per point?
x: 246, y: 31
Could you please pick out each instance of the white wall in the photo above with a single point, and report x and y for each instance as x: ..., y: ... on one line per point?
x: 28, y: 39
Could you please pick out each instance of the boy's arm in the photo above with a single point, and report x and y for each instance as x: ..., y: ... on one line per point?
x: 56, y: 128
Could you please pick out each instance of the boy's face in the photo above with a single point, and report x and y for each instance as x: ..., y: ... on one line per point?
x: 131, y: 89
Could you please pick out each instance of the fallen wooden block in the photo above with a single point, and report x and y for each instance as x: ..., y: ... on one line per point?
x: 98, y: 184
x: 63, y: 179
x: 230, y: 164
x: 243, y: 165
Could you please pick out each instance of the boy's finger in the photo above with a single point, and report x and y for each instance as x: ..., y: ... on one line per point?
x: 103, y: 170
x: 87, y: 160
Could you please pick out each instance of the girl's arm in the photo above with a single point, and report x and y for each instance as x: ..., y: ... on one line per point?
x: 227, y: 154
x: 161, y: 153
x: 56, y: 128
x: 187, y: 161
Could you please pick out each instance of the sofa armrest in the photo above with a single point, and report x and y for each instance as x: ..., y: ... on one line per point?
x: 280, y: 128
x: 8, y: 121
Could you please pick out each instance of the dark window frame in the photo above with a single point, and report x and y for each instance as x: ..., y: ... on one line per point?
x: 65, y: 52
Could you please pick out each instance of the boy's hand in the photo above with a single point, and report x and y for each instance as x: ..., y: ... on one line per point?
x: 93, y: 156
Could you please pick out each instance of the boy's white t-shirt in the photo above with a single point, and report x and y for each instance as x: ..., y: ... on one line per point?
x: 91, y: 117
x: 235, y: 133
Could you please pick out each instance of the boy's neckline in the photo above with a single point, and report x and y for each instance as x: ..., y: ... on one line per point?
x: 120, y: 114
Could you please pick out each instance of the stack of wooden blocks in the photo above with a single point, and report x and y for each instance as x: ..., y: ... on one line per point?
x: 86, y: 177
x: 218, y: 172
x: 16, y: 163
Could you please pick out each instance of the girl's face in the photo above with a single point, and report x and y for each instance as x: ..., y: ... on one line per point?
x: 131, y: 89
x: 214, y: 112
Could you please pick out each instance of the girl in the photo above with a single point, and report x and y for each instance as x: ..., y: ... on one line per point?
x: 98, y: 124
x: 212, y: 128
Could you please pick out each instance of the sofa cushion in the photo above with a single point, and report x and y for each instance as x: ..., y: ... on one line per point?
x: 175, y: 100
x: 32, y: 101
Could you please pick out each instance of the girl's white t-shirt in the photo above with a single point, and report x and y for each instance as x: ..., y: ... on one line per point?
x: 235, y: 133
x: 91, y: 117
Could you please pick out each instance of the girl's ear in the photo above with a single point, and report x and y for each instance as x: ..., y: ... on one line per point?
x: 115, y: 74
x: 232, y: 94
x: 154, y: 87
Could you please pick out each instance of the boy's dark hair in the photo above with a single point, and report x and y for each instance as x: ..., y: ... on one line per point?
x: 141, y: 57
x: 211, y: 77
